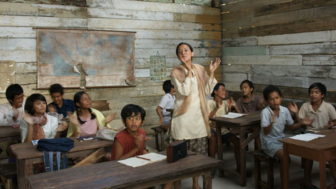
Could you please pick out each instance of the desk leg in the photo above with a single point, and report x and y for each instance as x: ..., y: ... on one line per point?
x: 242, y: 156
x: 285, y: 168
x: 177, y: 184
x: 323, y: 179
x: 24, y: 168
x: 219, y: 148
x: 207, y: 179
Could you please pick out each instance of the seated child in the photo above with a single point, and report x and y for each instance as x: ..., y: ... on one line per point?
x: 86, y: 121
x: 36, y: 123
x: 324, y: 116
x: 60, y: 105
x: 12, y: 112
x: 274, y: 119
x: 218, y: 107
x: 167, y: 102
x: 130, y: 142
x: 249, y: 102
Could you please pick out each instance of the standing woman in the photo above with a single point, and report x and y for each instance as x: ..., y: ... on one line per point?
x: 190, y: 120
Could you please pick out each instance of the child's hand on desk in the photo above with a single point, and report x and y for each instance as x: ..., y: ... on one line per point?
x: 110, y: 117
x: 307, y: 121
x: 138, y: 141
x: 293, y: 108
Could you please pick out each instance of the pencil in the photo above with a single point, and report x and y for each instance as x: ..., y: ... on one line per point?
x: 143, y: 158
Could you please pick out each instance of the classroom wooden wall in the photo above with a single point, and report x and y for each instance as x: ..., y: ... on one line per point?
x: 290, y: 44
x: 159, y: 28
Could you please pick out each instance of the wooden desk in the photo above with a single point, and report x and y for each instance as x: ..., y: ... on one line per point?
x: 252, y: 120
x: 114, y: 175
x: 26, y: 155
x: 8, y: 133
x: 321, y: 150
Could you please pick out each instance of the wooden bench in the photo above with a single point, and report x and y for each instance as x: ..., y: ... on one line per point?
x: 260, y: 156
x: 7, y: 171
x: 159, y: 131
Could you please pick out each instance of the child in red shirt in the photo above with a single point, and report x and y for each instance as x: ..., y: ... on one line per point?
x: 130, y: 142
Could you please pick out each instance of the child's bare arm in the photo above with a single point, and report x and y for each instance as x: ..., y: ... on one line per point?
x: 269, y: 127
x: 158, y: 111
x: 261, y: 103
x: 233, y: 104
x: 118, y: 149
x: 305, y: 121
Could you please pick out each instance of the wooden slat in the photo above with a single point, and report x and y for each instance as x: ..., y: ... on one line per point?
x: 318, y: 48
x: 149, y: 15
x: 237, y: 69
x: 240, y: 42
x: 15, y: 21
x: 18, y: 56
x: 264, y: 60
x: 172, y: 43
x: 101, y: 23
x: 153, y: 6
x: 309, y: 37
x: 199, y: 52
x: 81, y: 3
x: 22, y: 9
x: 291, y: 6
x: 92, y: 158
x: 299, y: 26
x: 19, y: 32
x: 319, y: 60
x: 244, y: 51
x: 9, y: 44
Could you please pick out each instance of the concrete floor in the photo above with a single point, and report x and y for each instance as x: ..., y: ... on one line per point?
x: 231, y: 181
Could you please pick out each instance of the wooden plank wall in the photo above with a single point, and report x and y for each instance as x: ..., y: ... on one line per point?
x: 159, y: 28
x: 290, y: 44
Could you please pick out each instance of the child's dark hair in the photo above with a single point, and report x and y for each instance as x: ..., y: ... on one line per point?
x: 178, y: 46
x: 250, y: 84
x: 216, y: 89
x: 77, y: 98
x: 56, y: 88
x: 167, y: 86
x: 129, y: 109
x: 29, y: 106
x: 270, y: 89
x: 321, y: 87
x: 12, y: 90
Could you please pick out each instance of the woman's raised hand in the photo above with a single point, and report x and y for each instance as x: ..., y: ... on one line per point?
x: 214, y: 65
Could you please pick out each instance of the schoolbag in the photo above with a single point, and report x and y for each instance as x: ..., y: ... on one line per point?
x: 58, y: 145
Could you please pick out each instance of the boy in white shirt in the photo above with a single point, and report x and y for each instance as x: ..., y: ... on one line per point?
x: 166, y: 103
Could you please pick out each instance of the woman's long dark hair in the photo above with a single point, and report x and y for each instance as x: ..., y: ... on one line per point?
x: 77, y: 98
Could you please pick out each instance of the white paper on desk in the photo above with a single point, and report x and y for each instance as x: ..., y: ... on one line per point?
x: 134, y: 162
x: 137, y: 162
x: 307, y: 137
x: 153, y: 157
x: 232, y: 115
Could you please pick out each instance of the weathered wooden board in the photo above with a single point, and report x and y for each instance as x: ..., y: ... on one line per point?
x: 240, y: 42
x: 15, y: 21
x: 26, y: 78
x: 306, y: 25
x: 285, y: 17
x: 309, y: 37
x: 26, y: 67
x: 17, y: 32
x: 318, y: 48
x: 167, y: 34
x: 319, y: 60
x: 153, y: 6
x: 235, y: 77
x: 302, y: 82
x: 142, y: 63
x: 151, y: 15
x: 295, y: 71
x: 244, y: 51
x: 18, y: 56
x: 81, y: 3
x: 264, y: 60
x: 102, y: 23
x: 237, y: 69
x: 60, y: 11
x: 291, y: 6
x: 8, y: 44
x: 172, y: 43
x: 169, y: 53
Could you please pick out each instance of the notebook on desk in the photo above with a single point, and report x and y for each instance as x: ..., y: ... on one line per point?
x: 143, y: 159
